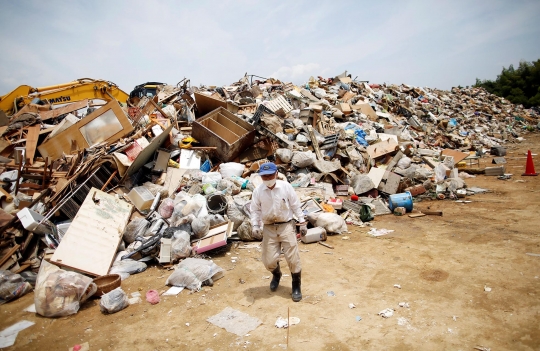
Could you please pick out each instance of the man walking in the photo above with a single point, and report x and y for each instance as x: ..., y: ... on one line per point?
x: 273, y: 205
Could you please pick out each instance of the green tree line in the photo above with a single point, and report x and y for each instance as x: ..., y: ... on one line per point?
x: 519, y: 85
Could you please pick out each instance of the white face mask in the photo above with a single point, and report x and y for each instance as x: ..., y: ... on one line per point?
x: 270, y: 183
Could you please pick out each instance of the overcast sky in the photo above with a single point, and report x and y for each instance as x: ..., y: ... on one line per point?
x: 424, y: 43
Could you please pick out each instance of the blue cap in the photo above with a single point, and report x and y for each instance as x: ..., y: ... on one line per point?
x: 267, y: 168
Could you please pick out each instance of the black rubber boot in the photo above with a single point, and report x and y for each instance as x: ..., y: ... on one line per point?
x: 296, y: 293
x: 275, y: 280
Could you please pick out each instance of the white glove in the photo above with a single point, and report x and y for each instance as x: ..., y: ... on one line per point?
x: 256, y: 231
x: 303, y: 229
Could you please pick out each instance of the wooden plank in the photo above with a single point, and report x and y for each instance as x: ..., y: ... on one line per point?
x: 9, y: 254
x: 415, y: 215
x: 91, y: 241
x: 382, y: 148
x: 433, y: 213
x: 31, y: 142
x: 457, y: 155
x: 45, y: 115
x: 173, y: 179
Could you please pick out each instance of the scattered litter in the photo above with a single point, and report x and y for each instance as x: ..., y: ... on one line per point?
x: 404, y: 304
x: 533, y: 254
x: 397, y: 286
x: 352, y: 305
x: 386, y: 313
x: 234, y: 321
x: 482, y: 348
x: 486, y: 288
x: 9, y: 335
x: 173, y: 291
x: 402, y: 321
x: 81, y: 347
x: 282, y: 322
x: 152, y: 296
x: 358, y: 318
x: 31, y: 308
x: 379, y: 232
x: 330, y: 293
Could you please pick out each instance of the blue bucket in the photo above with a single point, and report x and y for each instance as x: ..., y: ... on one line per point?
x: 401, y: 200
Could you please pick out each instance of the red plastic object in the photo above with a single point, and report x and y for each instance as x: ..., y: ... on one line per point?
x: 529, y: 168
x: 354, y: 198
x: 152, y: 296
x: 77, y: 347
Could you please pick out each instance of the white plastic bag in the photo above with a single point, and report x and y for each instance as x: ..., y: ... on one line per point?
x: 114, y: 301
x: 440, y: 173
x: 135, y: 228
x: 200, y: 227
x: 60, y: 293
x: 192, y: 272
x: 194, y: 205
x: 331, y: 222
x: 404, y: 162
x: 285, y: 155
x: 230, y: 169
x: 180, y: 245
x: 126, y: 267
x: 303, y: 159
x: 211, y: 178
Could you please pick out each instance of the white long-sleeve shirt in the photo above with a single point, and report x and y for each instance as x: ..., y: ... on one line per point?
x: 276, y: 205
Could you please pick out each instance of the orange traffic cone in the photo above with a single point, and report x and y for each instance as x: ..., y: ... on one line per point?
x: 529, y: 168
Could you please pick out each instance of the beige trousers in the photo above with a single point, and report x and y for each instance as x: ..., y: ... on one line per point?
x: 277, y: 237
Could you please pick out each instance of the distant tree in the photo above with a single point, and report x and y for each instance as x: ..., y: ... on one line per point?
x: 519, y: 85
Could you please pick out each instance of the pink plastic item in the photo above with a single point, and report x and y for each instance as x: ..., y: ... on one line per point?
x: 77, y: 347
x: 152, y: 296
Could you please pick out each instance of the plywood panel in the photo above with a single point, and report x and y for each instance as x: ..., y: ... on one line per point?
x: 92, y: 239
x: 31, y: 142
x: 173, y: 179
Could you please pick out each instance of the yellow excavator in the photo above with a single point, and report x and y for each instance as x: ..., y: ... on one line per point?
x: 80, y: 89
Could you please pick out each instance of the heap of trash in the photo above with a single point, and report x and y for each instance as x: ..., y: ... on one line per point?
x: 96, y: 194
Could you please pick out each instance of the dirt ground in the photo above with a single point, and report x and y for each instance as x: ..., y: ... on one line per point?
x: 442, y: 264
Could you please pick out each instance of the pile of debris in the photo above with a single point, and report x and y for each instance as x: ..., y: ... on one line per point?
x: 103, y: 191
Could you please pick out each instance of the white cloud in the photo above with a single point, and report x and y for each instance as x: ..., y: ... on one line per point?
x: 297, y: 73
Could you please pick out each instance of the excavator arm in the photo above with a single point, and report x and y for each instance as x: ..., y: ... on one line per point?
x: 80, y: 89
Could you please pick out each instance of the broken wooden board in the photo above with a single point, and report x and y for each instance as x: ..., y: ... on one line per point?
x: 45, y: 115
x: 382, y: 148
x: 416, y: 215
x: 31, y: 142
x: 91, y: 241
x: 457, y: 155
x: 173, y: 179
x: 376, y: 175
x: 366, y: 109
x: 206, y: 103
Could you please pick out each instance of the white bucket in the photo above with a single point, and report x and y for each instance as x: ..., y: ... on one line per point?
x: 313, y: 235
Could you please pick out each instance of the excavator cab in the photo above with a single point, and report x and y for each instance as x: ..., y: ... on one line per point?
x: 148, y: 89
